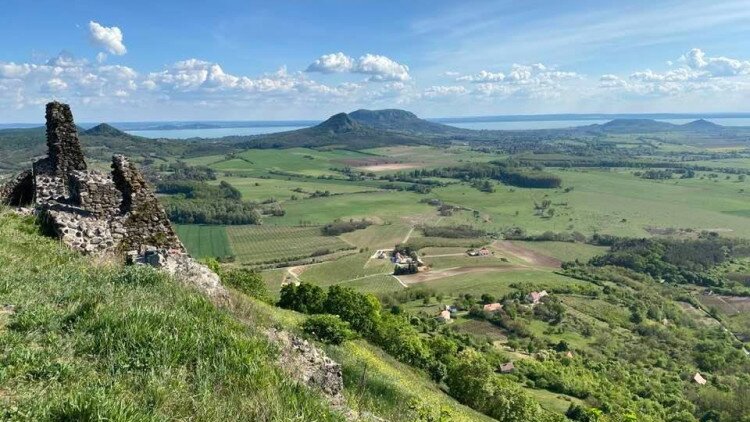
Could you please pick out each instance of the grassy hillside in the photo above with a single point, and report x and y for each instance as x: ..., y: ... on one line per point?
x: 85, y: 340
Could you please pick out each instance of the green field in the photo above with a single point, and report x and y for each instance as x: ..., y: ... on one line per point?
x: 204, y: 241
x: 259, y: 244
x: 498, y: 283
x: 303, y: 161
x: 257, y: 189
x: 612, y: 202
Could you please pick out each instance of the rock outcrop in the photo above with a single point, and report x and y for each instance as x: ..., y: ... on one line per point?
x: 99, y: 213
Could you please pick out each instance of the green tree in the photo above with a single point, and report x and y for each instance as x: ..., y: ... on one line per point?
x: 362, y: 312
x: 327, y: 328
x: 305, y: 297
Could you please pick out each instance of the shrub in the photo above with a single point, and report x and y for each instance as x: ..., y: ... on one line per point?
x: 328, y: 329
x: 249, y: 282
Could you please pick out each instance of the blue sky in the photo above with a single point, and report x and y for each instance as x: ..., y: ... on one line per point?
x: 228, y: 60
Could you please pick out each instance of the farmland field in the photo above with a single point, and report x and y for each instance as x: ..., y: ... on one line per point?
x: 257, y: 189
x: 204, y: 241
x: 259, y: 244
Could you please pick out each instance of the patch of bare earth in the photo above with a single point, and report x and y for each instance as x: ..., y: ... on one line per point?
x: 429, y: 275
x: 389, y: 167
x: 527, y: 255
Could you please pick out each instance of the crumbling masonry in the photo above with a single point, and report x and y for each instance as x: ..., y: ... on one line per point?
x: 91, y: 212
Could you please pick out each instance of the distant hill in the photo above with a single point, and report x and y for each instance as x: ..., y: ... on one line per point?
x: 702, y: 125
x: 635, y: 126
x: 339, y: 130
x: 104, y: 130
x: 403, y: 121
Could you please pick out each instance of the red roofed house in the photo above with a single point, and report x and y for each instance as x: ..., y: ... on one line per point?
x: 535, y: 297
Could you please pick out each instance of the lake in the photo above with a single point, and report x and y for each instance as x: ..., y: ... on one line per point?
x: 496, y: 125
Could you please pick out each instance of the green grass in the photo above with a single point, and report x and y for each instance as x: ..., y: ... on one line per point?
x: 613, y: 202
x: 497, y: 283
x: 387, y: 206
x: 303, y: 161
x: 258, y: 244
x: 257, y: 189
x: 376, y: 284
x: 204, y: 241
x: 94, y: 341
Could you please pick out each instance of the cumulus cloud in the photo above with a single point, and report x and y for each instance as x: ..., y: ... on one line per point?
x: 694, y: 72
x: 716, y: 66
x: 330, y: 63
x: 532, y: 81
x: 379, y: 68
x: 109, y: 38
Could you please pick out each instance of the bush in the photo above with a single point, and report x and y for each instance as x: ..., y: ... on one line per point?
x: 249, y: 282
x: 328, y: 329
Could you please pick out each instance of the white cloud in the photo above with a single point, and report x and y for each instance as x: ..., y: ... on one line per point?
x: 437, y: 91
x: 56, y: 85
x: 109, y: 38
x: 716, y: 66
x: 379, y: 68
x: 695, y: 72
x: 482, y: 76
x: 530, y: 81
x: 330, y: 63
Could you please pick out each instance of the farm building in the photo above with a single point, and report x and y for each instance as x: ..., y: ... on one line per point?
x: 535, y: 297
x: 492, y: 307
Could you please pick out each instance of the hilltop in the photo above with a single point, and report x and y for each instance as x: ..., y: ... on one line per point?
x: 403, y: 121
x: 339, y: 130
x: 104, y: 130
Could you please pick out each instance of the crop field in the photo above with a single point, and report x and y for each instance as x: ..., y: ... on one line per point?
x: 304, y: 161
x: 260, y: 244
x: 344, y: 269
x: 386, y: 206
x: 204, y: 241
x: 378, y: 236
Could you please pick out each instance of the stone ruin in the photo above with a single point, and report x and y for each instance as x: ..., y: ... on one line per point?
x: 98, y: 213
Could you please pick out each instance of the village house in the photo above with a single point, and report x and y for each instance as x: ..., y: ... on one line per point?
x: 507, y: 368
x: 698, y: 379
x: 535, y: 297
x: 479, y: 252
x: 444, y: 316
x: 492, y: 307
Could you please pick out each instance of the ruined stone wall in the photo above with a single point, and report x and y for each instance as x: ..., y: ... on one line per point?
x: 144, y: 218
x: 65, y: 153
x: 95, y: 192
x: 90, y: 211
x: 18, y: 191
